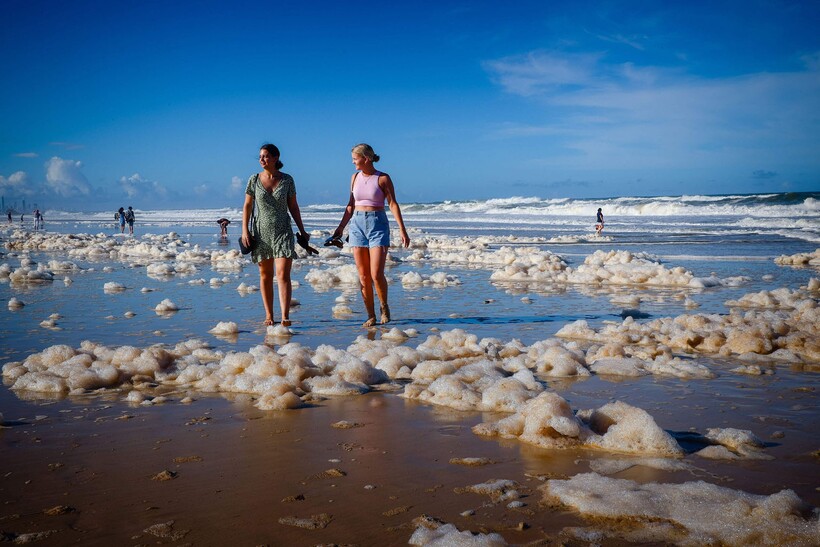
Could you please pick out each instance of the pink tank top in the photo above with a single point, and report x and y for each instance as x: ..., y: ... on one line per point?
x: 366, y: 190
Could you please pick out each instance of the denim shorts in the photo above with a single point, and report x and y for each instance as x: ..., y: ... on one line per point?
x: 369, y: 229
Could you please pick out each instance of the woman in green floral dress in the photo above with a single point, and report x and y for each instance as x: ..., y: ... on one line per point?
x: 274, y: 194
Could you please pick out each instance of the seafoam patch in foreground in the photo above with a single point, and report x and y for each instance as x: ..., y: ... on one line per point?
x: 692, y: 513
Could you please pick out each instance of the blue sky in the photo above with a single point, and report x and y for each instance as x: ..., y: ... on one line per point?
x: 161, y: 104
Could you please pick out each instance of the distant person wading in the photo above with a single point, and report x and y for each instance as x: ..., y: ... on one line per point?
x: 119, y: 216
x: 129, y: 218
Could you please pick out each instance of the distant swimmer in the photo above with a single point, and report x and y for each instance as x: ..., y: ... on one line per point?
x: 223, y: 225
x: 599, y: 227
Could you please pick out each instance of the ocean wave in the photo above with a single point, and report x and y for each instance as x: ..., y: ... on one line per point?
x: 782, y: 208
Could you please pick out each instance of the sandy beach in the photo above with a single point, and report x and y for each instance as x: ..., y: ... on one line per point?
x: 582, y: 392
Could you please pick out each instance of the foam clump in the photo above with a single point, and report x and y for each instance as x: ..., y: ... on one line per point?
x: 600, y: 268
x: 799, y: 259
x: 160, y: 270
x: 448, y: 534
x: 15, y: 303
x: 675, y: 513
x: 620, y: 427
x: 278, y: 330
x: 439, y: 279
x: 339, y: 275
x: 245, y: 288
x: 788, y: 333
x: 279, y: 379
x: 225, y: 327
x: 733, y: 444
x: 166, y: 306
x: 113, y: 286
x: 499, y: 490
x: 477, y: 386
x: 781, y: 298
x: 25, y: 275
x: 227, y: 261
x: 156, y: 248
x: 548, y: 421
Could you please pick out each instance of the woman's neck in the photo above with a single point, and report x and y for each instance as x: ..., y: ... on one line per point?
x: 370, y: 170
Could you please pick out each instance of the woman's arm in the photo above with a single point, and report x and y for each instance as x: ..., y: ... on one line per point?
x: 351, y: 206
x: 293, y: 207
x: 247, y: 207
x: 386, y: 185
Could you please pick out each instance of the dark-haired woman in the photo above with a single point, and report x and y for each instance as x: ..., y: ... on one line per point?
x: 274, y: 195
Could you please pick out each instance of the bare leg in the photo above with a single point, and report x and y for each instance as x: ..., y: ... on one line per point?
x: 362, y: 257
x: 378, y: 256
x: 284, y: 286
x: 266, y: 282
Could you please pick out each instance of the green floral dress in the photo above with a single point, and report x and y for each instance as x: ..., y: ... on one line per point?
x: 272, y: 223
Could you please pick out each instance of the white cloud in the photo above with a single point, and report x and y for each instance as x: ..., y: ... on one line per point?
x: 67, y: 145
x: 202, y: 190
x: 633, y: 41
x: 26, y: 155
x: 135, y: 186
x: 17, y: 184
x: 236, y: 184
x: 623, y: 115
x: 65, y: 178
x: 541, y: 72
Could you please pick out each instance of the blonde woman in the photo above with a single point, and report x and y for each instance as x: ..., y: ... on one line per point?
x: 274, y: 195
x: 370, y: 230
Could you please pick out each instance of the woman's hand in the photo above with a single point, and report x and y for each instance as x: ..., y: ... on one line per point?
x: 405, y: 239
x: 246, y: 239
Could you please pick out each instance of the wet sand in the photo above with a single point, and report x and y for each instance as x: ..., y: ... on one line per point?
x: 234, y: 472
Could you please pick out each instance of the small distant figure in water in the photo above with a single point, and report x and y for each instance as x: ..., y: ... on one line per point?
x: 21, y: 217
x: 129, y: 218
x: 38, y: 220
x: 599, y: 227
x: 223, y: 226
x: 119, y: 216
x: 9, y: 214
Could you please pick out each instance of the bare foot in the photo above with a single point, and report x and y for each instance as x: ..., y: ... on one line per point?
x: 268, y: 322
x: 285, y: 322
x: 371, y: 322
x: 385, y: 314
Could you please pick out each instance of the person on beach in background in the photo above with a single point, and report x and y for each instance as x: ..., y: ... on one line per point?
x: 9, y: 214
x: 38, y: 220
x: 223, y: 226
x: 120, y: 217
x: 129, y: 218
x: 599, y: 226
x: 370, y: 230
x: 273, y: 193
